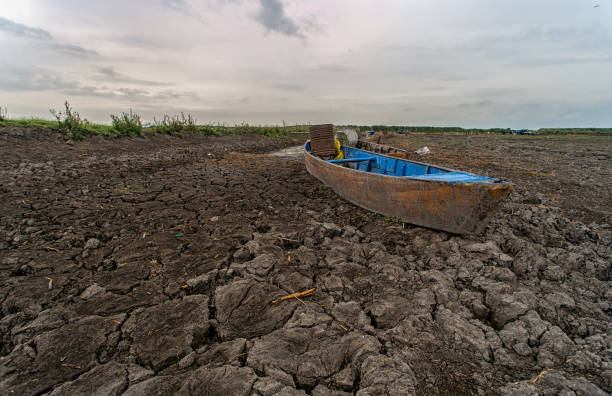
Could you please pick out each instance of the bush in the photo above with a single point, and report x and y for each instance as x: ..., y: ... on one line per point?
x: 71, y: 122
x: 3, y: 114
x: 127, y: 123
x: 176, y: 124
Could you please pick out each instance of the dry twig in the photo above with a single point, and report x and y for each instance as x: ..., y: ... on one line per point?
x: 539, y: 376
x: 295, y: 295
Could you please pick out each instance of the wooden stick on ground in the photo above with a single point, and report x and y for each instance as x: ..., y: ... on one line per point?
x: 295, y: 295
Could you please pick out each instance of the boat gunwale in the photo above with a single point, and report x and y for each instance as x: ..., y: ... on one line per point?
x: 493, y: 182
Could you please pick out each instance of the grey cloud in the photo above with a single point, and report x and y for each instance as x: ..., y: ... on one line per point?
x: 593, y: 36
x: 586, y: 44
x: 184, y: 7
x: 44, y: 38
x: 289, y: 87
x: 147, y: 42
x: 71, y: 49
x: 111, y: 75
x: 272, y: 16
x: 181, y: 6
x: 477, y: 104
x: 339, y: 68
x: 30, y: 78
x: 130, y: 94
x: 20, y: 30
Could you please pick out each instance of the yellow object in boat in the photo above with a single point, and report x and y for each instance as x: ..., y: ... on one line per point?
x: 338, y: 150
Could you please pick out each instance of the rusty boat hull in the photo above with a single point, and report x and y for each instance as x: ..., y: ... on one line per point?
x: 413, y: 192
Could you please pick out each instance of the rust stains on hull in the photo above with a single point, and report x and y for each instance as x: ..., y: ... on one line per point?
x: 454, y: 207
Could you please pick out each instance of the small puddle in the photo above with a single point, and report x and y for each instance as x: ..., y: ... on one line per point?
x: 295, y: 151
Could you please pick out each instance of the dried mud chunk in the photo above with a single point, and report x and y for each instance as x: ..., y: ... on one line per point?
x: 505, y: 358
x: 92, y: 291
x: 335, y: 256
x: 503, y: 274
x: 504, y: 307
x: 137, y: 373
x: 309, y: 355
x: 552, y: 306
x: 307, y: 317
x: 555, y: 382
x: 514, y: 333
x: 293, y: 282
x: 535, y: 326
x: 305, y: 256
x: 124, y: 278
x: 92, y: 243
x: 351, y: 315
x: 267, y: 386
x: 332, y: 283
x: 382, y: 375
x: 519, y: 389
x: 167, y: 332
x: 46, y: 320
x: 487, y: 247
x: 463, y: 331
x: 388, y: 311
x: 554, y: 273
x: 108, y: 379
x: 226, y: 380
x: 442, y: 285
x: 321, y: 390
x: 261, y: 265
x: 244, y: 309
x: 329, y: 230
x: 61, y: 354
x: 223, y: 353
x: 200, y: 283
x: 345, y: 379
x: 156, y: 386
x: 555, y: 347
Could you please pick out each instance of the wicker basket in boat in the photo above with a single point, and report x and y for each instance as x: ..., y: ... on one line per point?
x: 322, y: 139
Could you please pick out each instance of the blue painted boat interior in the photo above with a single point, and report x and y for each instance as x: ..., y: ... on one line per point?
x: 371, y: 162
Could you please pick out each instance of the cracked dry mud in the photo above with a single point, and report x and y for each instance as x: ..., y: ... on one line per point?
x: 148, y: 266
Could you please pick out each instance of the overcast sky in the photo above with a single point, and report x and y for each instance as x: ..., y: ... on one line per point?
x: 471, y: 63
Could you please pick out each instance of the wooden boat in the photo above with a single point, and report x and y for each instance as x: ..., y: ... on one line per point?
x: 414, y: 192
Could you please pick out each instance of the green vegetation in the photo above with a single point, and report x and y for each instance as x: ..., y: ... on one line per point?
x: 70, y: 121
x: 130, y: 123
x: 469, y: 131
x: 575, y: 131
x: 175, y: 125
x: 127, y: 123
x: 76, y: 128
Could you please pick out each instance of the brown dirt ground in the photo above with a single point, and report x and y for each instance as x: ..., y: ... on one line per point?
x: 149, y: 265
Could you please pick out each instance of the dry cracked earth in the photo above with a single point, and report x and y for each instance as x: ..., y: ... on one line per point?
x: 135, y: 266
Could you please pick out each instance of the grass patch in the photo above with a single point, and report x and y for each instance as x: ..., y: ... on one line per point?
x: 70, y: 122
x: 127, y: 123
x: 174, y: 125
x: 75, y: 127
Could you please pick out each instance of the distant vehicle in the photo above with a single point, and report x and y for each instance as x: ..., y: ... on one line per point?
x: 371, y: 132
x: 521, y: 131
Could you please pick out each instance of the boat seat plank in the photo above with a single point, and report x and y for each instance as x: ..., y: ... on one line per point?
x: 453, y: 177
x: 345, y: 160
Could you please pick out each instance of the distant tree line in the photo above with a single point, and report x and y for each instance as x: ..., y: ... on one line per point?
x: 433, y: 129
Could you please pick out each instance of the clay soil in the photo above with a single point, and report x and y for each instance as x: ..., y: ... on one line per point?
x: 149, y: 266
